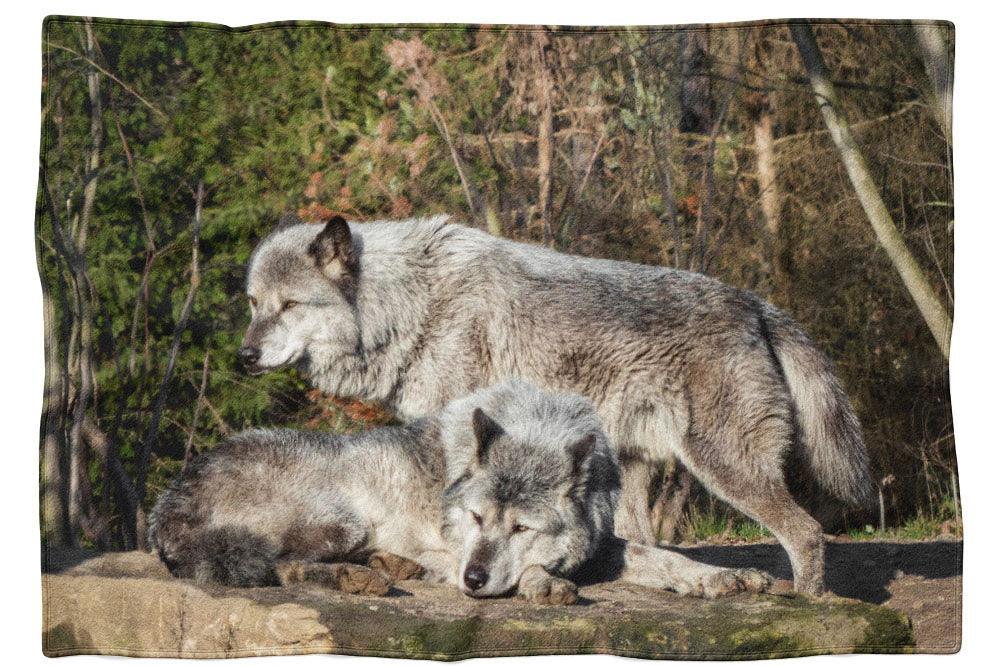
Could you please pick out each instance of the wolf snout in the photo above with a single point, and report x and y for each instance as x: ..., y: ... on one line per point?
x: 475, y: 577
x: 248, y: 356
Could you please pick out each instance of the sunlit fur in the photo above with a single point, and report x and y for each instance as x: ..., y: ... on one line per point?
x: 265, y: 495
x: 677, y: 364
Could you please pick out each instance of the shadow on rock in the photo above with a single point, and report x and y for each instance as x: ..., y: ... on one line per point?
x: 857, y: 570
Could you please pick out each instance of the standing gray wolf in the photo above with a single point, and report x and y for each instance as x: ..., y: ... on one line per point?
x: 507, y: 489
x: 416, y: 313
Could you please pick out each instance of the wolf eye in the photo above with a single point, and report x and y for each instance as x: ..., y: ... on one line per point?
x: 517, y: 529
x: 476, y: 517
x: 288, y: 305
x: 253, y: 301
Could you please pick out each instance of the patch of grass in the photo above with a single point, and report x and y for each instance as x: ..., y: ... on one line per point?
x: 918, y: 528
x: 943, y: 522
x: 720, y: 523
x: 709, y: 525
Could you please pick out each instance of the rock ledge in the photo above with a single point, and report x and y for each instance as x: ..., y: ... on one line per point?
x: 127, y: 604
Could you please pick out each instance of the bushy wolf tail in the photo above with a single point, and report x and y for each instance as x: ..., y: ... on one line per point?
x: 235, y: 557
x: 829, y: 431
x: 232, y: 556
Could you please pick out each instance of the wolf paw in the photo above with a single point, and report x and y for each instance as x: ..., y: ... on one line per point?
x: 731, y: 581
x: 395, y: 567
x: 348, y: 578
x: 356, y: 579
x: 548, y: 591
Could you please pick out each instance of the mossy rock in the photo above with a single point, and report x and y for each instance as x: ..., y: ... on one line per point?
x: 90, y: 610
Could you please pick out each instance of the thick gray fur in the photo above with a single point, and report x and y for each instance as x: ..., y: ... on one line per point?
x: 528, y: 500
x: 416, y: 313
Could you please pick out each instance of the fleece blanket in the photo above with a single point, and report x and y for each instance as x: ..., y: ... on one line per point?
x: 446, y: 341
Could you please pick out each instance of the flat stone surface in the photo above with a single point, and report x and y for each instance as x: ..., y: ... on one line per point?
x: 127, y: 604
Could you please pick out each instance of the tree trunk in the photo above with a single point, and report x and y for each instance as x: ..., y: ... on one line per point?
x: 696, y: 84
x: 546, y: 147
x: 78, y: 497
x: 661, y: 162
x: 938, y: 63
x: 767, y: 182
x: 934, y: 313
x: 55, y: 517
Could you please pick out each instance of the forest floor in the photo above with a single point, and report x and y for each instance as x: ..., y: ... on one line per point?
x: 920, y: 578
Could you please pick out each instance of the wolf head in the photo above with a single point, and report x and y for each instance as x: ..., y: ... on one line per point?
x: 300, y: 284
x: 531, y: 480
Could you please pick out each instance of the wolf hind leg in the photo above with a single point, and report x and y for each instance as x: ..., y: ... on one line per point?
x: 742, y: 431
x: 330, y: 530
x: 761, y: 494
x: 772, y: 505
x: 323, y: 539
x: 318, y: 549
x: 646, y: 433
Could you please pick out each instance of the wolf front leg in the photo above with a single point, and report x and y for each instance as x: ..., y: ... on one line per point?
x: 538, y: 586
x: 395, y: 567
x: 440, y: 566
x: 665, y: 569
x: 633, y: 519
x: 340, y: 576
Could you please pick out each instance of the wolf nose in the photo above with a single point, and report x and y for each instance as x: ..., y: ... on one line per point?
x: 248, y: 356
x: 475, y: 577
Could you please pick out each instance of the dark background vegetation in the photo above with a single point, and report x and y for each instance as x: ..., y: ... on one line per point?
x: 169, y: 150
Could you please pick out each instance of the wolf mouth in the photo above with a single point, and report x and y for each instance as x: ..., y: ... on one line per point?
x: 300, y: 362
x: 479, y: 594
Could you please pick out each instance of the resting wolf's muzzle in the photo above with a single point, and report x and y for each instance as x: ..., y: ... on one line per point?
x: 248, y: 357
x: 475, y: 577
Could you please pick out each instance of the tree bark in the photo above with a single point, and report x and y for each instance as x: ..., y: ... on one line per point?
x: 696, y: 84
x: 546, y: 119
x: 767, y: 182
x: 100, y: 444
x: 934, y: 313
x: 71, y: 245
x: 706, y: 210
x: 55, y: 518
x: 938, y: 63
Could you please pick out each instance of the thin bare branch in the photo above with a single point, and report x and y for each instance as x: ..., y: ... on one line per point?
x: 152, y: 107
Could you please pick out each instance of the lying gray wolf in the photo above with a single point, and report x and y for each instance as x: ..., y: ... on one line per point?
x: 508, y: 489
x: 416, y: 313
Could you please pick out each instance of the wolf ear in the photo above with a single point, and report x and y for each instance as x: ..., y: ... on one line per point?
x: 289, y: 219
x: 486, y: 430
x: 333, y: 248
x: 580, y: 452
